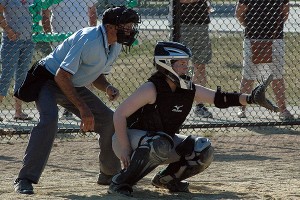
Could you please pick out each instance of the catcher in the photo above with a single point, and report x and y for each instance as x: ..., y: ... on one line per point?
x: 147, y: 122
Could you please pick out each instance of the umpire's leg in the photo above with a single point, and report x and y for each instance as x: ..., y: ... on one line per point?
x: 103, y: 116
x: 42, y: 137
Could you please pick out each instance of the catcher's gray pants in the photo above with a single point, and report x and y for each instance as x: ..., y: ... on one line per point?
x: 135, y: 135
x: 42, y: 136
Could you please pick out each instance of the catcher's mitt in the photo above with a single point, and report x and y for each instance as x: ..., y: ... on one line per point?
x: 258, y: 95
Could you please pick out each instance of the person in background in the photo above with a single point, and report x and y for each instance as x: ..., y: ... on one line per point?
x: 69, y: 16
x: 194, y: 22
x: 264, y: 22
x: 16, y: 48
x: 60, y: 78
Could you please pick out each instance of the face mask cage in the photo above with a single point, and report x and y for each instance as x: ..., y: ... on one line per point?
x: 188, y: 76
x: 183, y: 81
x: 127, y: 36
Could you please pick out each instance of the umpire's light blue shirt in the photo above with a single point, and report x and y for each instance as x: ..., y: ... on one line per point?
x: 85, y: 54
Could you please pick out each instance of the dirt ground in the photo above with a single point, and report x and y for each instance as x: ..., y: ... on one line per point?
x: 262, y: 163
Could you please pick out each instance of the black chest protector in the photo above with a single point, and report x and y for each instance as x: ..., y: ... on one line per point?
x: 168, y: 112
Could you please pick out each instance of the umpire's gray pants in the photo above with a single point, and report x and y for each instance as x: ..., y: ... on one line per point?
x: 135, y: 136
x: 42, y: 136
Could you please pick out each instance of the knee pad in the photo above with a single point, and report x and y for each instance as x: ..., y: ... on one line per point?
x: 202, y: 160
x: 193, y: 149
x: 202, y: 154
x: 161, y: 146
x: 196, y: 155
x: 183, y: 169
x: 144, y: 159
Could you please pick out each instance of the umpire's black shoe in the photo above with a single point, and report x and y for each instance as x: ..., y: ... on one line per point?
x: 23, y: 186
x: 104, y: 179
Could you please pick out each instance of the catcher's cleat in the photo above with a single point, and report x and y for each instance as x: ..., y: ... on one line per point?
x: 173, y: 186
x: 123, y: 189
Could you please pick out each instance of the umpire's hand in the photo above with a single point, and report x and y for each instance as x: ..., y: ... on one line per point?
x: 87, y: 119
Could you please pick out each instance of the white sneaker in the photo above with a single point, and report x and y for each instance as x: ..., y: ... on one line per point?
x: 67, y: 115
x: 241, y: 114
x: 286, y: 116
x: 202, y: 112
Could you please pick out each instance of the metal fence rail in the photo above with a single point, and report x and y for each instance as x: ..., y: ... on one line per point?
x: 132, y: 69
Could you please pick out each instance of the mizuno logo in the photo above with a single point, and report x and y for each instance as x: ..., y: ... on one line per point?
x: 177, y: 108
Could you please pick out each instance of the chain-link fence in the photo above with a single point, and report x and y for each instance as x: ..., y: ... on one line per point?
x: 220, y: 43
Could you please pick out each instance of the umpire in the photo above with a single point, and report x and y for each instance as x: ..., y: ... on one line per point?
x: 60, y: 78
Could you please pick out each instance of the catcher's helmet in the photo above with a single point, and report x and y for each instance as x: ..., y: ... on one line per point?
x: 119, y: 16
x: 165, y: 54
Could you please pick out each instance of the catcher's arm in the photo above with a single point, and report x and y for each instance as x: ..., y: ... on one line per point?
x: 258, y: 96
x: 229, y: 99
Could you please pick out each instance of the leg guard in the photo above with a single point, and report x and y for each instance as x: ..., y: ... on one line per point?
x: 196, y: 155
x: 145, y: 158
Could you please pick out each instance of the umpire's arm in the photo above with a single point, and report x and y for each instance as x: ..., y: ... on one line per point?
x: 63, y: 80
x: 102, y: 84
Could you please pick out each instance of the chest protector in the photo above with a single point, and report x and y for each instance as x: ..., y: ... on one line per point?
x: 168, y: 112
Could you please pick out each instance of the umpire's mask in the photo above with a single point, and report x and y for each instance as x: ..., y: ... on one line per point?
x: 126, y: 20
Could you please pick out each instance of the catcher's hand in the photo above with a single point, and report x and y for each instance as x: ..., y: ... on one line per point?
x: 258, y: 95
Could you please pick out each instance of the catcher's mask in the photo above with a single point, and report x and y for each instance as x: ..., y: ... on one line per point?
x: 126, y: 21
x: 166, y: 54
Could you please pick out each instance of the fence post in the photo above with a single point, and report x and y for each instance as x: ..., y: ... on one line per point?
x: 176, y: 20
